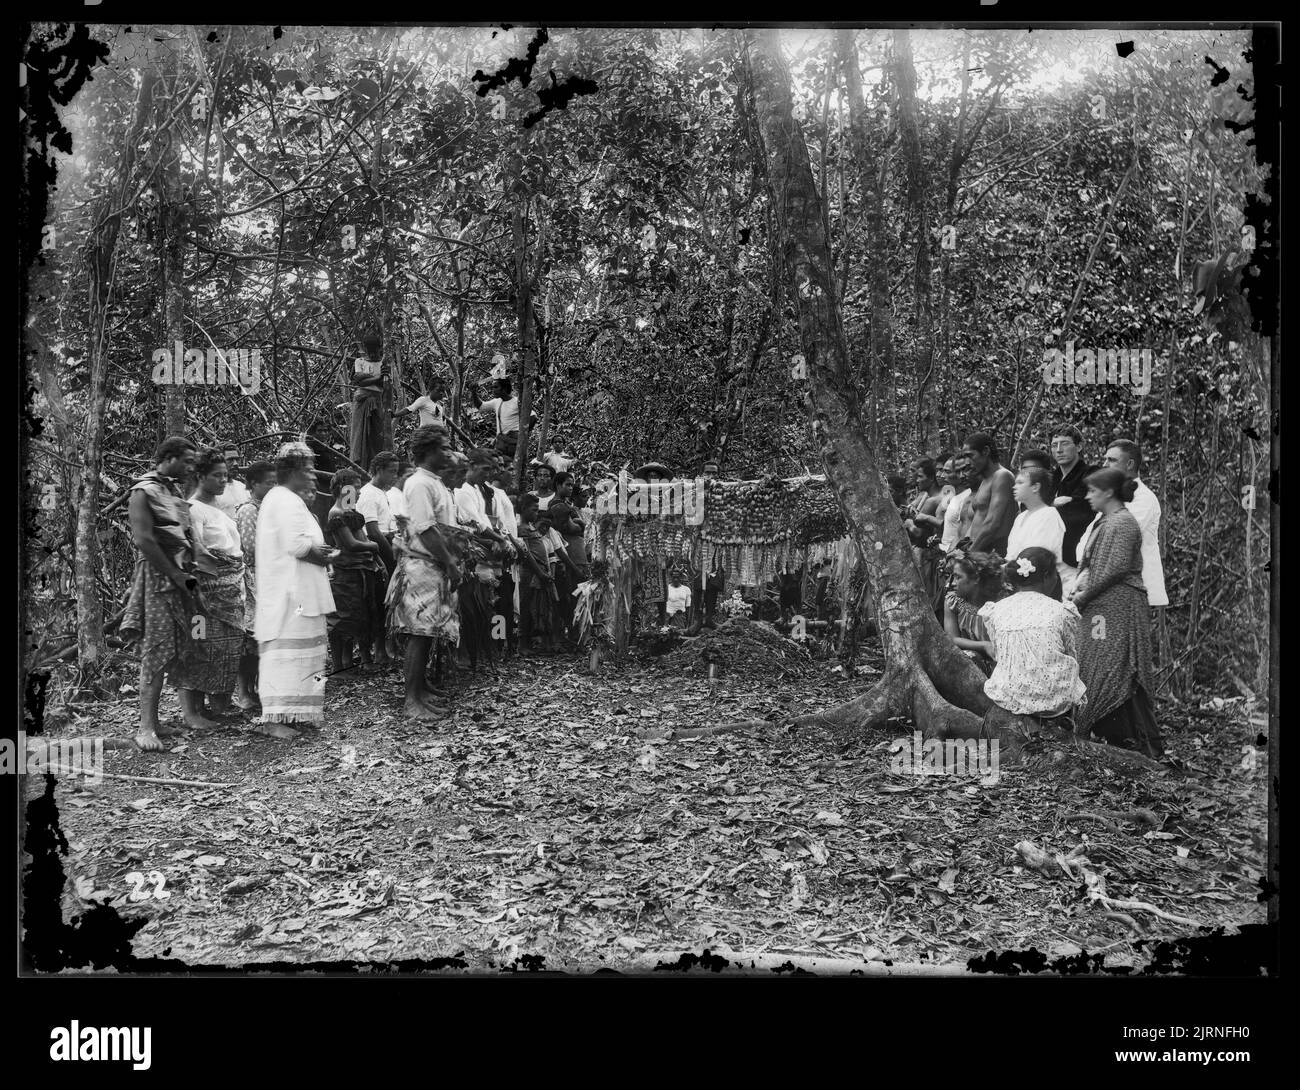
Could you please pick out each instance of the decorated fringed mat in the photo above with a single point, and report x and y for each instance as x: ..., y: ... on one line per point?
x: 750, y: 529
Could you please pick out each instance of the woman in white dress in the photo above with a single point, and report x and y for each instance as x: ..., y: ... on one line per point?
x: 1039, y: 525
x: 293, y: 599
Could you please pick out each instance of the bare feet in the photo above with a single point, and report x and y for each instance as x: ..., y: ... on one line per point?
x: 148, y: 739
x: 415, y: 709
x: 247, y: 703
x: 198, y: 722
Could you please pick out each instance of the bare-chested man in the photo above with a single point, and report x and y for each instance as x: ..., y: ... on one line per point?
x: 993, y: 506
x: 161, y: 606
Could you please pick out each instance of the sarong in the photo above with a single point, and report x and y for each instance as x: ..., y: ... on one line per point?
x: 291, y: 672
x: 158, y: 615
x: 357, y: 608
x: 211, y: 663
x: 366, y: 430
x: 477, y: 607
x: 420, y: 600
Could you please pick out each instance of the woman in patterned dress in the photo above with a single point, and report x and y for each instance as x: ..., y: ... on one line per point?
x: 1115, y: 652
x: 1035, y: 639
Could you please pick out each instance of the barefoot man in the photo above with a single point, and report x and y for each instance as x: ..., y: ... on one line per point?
x: 161, y: 606
x: 421, y: 595
x: 991, y: 499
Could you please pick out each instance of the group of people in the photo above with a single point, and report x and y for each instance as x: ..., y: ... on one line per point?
x: 1047, y: 577
x: 248, y: 593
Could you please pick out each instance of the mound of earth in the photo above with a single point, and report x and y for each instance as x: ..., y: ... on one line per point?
x: 740, y: 644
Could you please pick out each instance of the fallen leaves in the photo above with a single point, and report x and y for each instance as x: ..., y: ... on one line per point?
x: 543, y: 820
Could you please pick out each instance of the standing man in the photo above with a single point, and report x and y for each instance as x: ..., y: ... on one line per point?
x: 1126, y: 456
x: 162, y: 602
x: 432, y: 406
x: 504, y: 409
x: 373, y: 501
x: 235, y: 495
x: 993, y: 507
x: 1070, y: 476
x: 956, y: 515
x: 504, y: 520
x: 422, y: 595
x: 921, y: 518
x: 261, y: 479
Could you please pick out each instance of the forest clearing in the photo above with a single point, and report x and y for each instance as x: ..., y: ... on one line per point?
x: 503, y: 498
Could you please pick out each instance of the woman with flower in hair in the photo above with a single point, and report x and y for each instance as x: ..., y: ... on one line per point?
x: 1115, y: 657
x: 975, y: 581
x: 1034, y: 639
x: 293, y: 599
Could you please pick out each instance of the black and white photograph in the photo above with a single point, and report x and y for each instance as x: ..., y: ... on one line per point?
x: 725, y: 500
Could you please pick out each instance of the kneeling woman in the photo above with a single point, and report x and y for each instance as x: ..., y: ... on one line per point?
x: 1115, y: 658
x: 1034, y: 639
x: 976, y: 580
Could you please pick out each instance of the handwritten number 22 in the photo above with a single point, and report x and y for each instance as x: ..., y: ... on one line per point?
x: 139, y: 893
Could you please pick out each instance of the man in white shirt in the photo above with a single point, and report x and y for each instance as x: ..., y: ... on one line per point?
x: 396, y: 495
x: 236, y: 494
x: 955, y: 517
x: 1126, y: 456
x: 372, y: 502
x: 503, y: 512
x: 504, y: 410
x: 422, y: 598
x: 471, y: 506
x: 432, y: 407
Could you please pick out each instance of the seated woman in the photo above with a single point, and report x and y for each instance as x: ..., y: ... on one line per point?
x: 354, y: 574
x: 679, y: 599
x: 1035, y: 640
x: 1112, y: 601
x: 976, y: 580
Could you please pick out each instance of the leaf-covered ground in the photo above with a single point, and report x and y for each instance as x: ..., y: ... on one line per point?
x: 554, y: 816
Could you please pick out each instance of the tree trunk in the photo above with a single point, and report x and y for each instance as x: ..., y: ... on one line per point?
x: 100, y: 258
x: 909, y: 127
x: 171, y: 272
x: 925, y: 677
x: 869, y: 181
x: 527, y: 340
